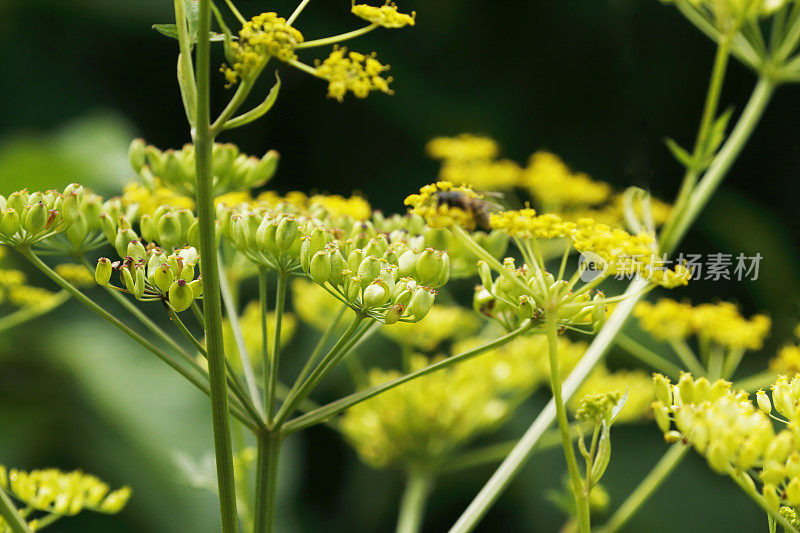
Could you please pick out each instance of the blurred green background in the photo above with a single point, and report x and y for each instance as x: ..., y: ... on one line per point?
x: 601, y: 83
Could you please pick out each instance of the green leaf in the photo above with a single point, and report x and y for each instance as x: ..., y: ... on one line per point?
x: 716, y: 133
x: 171, y: 31
x: 192, y: 9
x: 260, y: 110
x: 683, y: 157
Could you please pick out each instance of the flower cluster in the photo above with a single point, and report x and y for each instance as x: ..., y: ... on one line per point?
x: 720, y: 323
x: 264, y: 36
x: 787, y: 361
x: 175, y: 169
x: 149, y: 274
x: 62, y: 493
x: 443, y: 205
x: 386, y: 15
x: 352, y: 72
x: 636, y: 383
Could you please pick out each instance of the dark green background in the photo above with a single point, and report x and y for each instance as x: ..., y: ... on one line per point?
x: 600, y: 83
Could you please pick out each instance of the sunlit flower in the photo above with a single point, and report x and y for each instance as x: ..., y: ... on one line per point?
x: 386, y: 15
x: 352, y: 72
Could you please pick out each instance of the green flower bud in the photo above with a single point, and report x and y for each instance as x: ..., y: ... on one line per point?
x: 421, y: 302
x: 9, y: 223
x: 169, y: 231
x: 149, y: 228
x: 36, y: 219
x: 136, y: 251
x: 375, y: 295
x: 70, y: 207
x: 239, y: 236
x: 368, y: 270
x: 267, y: 237
x: 223, y: 156
x: 354, y: 290
x: 17, y: 201
x: 338, y: 268
x: 403, y: 298
x: 264, y: 171
x: 320, y: 267
x: 77, y: 231
x: 136, y: 155
x: 163, y: 277
x: 102, y: 273
x: 390, y: 256
x: 108, y: 227
x: 171, y: 169
x: 407, y: 263
x: 393, y: 314
x: 286, y: 234
x: 317, y: 240
x: 355, y: 259
x: 181, y: 295
x: 193, y: 234
x: 444, y: 272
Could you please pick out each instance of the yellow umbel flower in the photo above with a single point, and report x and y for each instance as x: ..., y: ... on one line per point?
x: 11, y: 278
x: 637, y: 382
x: 63, y: 493
x: 787, y: 361
x: 264, y: 36
x: 443, y: 204
x: 147, y: 199
x: 723, y: 426
x: 355, y: 206
x: 463, y: 147
x: 666, y: 319
x: 554, y: 186
x: 527, y: 224
x: 354, y: 72
x: 29, y: 296
x: 722, y: 323
x: 482, y: 174
x: 313, y: 305
x: 442, y: 323
x: 76, y: 274
x: 386, y: 15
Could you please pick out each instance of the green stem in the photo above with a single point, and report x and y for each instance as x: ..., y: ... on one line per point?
x: 660, y: 472
x: 412, y: 506
x: 298, y: 394
x: 212, y: 304
x: 581, y: 497
x: 299, y: 9
x: 750, y: 490
x: 274, y: 358
x: 269, y: 444
x: 687, y: 357
x: 323, y: 340
x: 25, y: 314
x: 337, y: 38
x: 11, y: 515
x: 326, y: 411
x: 648, y: 356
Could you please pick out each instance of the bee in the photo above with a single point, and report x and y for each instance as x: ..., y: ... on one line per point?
x: 478, y: 208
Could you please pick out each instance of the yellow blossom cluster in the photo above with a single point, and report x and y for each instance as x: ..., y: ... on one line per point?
x: 76, y: 274
x: 386, y: 15
x: 28, y: 296
x: 264, y: 36
x: 482, y: 174
x: 555, y: 186
x: 442, y: 323
x: 526, y: 224
x: 63, y: 493
x: 636, y: 382
x: 352, y: 72
x: 443, y: 205
x: 787, y: 361
x: 146, y: 200
x: 463, y: 147
x: 720, y: 323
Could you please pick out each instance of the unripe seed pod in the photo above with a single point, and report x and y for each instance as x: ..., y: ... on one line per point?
x: 338, y: 268
x: 526, y: 307
x: 485, y: 273
x: 393, y: 314
x: 180, y: 295
x: 124, y: 237
x: 136, y: 155
x: 355, y: 259
x: 36, y: 219
x: 763, y: 401
x: 187, y: 273
x: 598, y: 313
x: 163, y: 277
x: 444, y: 272
x: 354, y: 290
x: 305, y: 254
x: 70, y: 207
x: 149, y: 228
x: 267, y: 237
x: 138, y: 280
x: 136, y: 251
x: 375, y: 295
x: 193, y: 234
x: 108, y: 227
x: 286, y: 234
x: 197, y: 287
x: 391, y: 257
x: 9, y: 223
x: 496, y: 243
x: 102, y: 273
x: 428, y: 265
x: 407, y: 263
x: 421, y: 303
x: 438, y: 238
x: 368, y: 270
x: 238, y: 232
x: 320, y: 268
x: 17, y: 201
x: 127, y: 279
x: 169, y: 231
x: 403, y: 298
x: 77, y: 231
x: 661, y: 414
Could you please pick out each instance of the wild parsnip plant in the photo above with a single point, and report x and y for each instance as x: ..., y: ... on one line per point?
x: 196, y: 224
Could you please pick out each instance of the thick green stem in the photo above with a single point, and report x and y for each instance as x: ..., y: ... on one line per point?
x: 11, y: 515
x: 412, y: 506
x: 646, y: 488
x: 274, y: 358
x: 212, y: 303
x: 269, y: 443
x: 581, y: 497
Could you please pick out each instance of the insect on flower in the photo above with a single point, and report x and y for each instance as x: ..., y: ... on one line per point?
x: 477, y: 206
